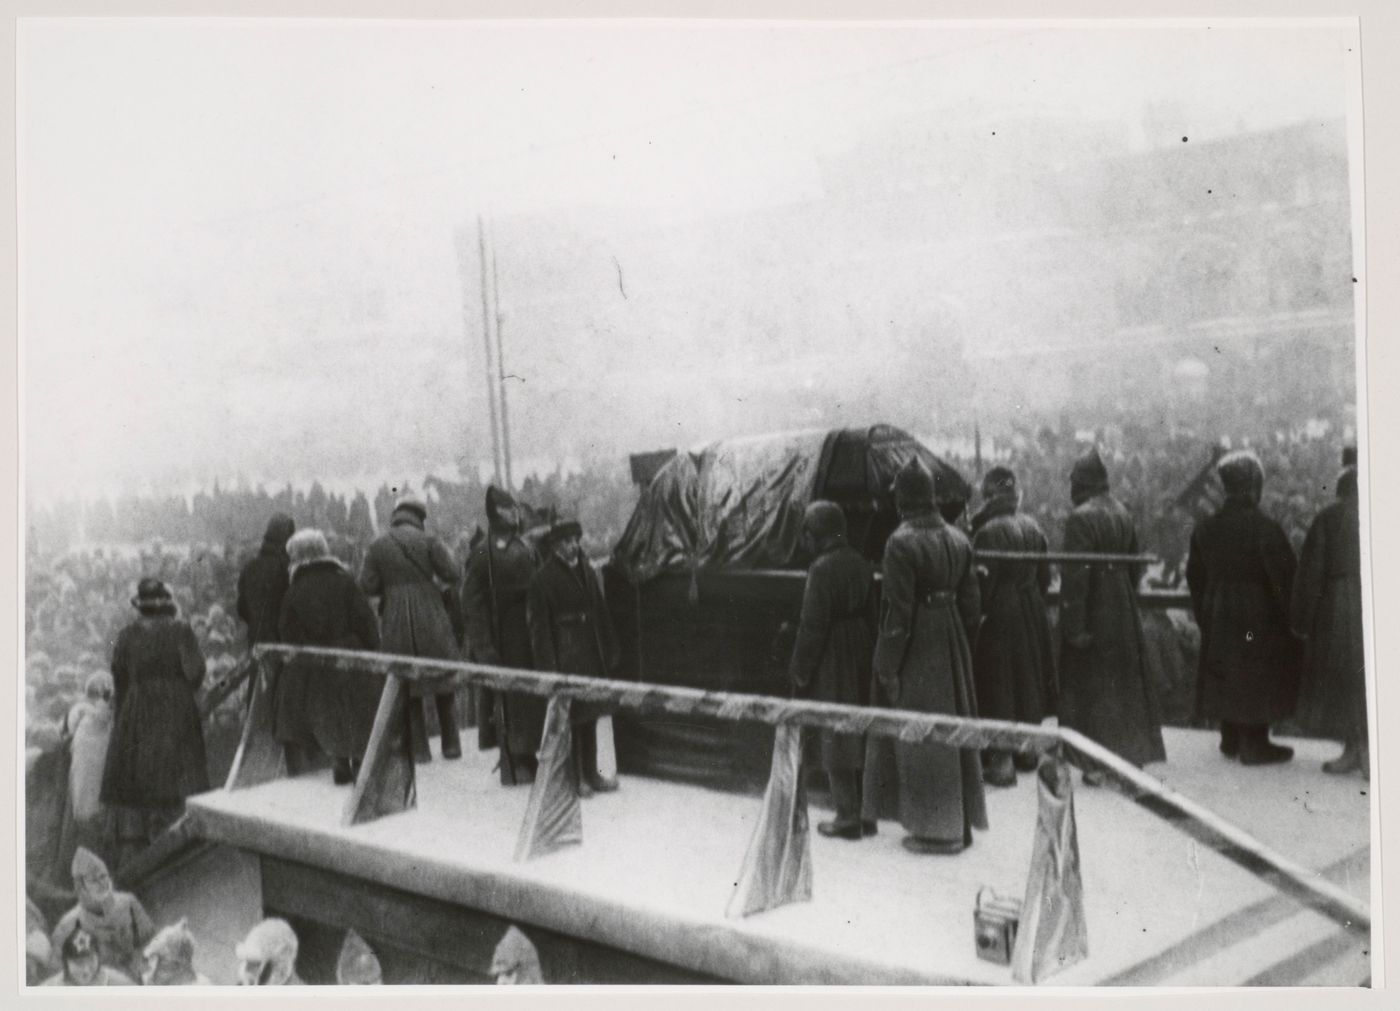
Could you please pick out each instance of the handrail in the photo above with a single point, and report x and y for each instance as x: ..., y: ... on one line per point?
x: 1180, y: 812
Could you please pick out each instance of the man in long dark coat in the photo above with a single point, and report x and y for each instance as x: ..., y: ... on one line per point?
x: 1014, y: 660
x: 315, y: 707
x: 263, y: 583
x: 929, y: 612
x: 831, y: 659
x: 1240, y: 572
x: 572, y: 633
x: 401, y: 569
x: 1327, y: 612
x: 494, y: 596
x: 1105, y: 693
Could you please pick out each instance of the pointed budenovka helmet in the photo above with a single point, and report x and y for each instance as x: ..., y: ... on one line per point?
x: 913, y: 487
x: 515, y: 961
x: 498, y: 499
x: 1088, y: 477
x: 824, y: 521
x: 91, y: 879
x: 358, y: 965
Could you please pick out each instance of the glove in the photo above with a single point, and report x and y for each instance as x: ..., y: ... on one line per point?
x: 1082, y: 640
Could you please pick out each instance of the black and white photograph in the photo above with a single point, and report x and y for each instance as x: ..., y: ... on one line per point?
x: 639, y: 502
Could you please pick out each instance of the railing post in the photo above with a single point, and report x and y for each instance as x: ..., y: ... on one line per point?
x: 1052, y: 934
x: 386, y: 782
x: 777, y: 868
x: 553, y: 816
x: 259, y: 757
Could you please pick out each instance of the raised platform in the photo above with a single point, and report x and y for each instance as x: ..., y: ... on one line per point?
x: 659, y: 860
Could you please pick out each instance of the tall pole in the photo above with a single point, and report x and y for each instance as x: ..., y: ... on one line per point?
x: 486, y: 336
x: 501, y: 373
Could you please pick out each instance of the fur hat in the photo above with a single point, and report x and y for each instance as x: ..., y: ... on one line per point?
x: 1088, y: 477
x: 173, y: 948
x: 99, y: 685
x: 411, y: 503
x: 152, y: 596
x: 307, y: 546
x: 1348, y: 456
x: 1241, y: 474
x: 273, y: 940
x: 561, y: 530
x: 913, y: 487
x: 824, y: 521
x: 1000, y: 482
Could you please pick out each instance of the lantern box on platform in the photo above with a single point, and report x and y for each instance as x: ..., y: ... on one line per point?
x: 994, y: 922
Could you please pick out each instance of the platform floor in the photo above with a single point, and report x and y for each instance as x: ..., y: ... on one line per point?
x: 659, y: 861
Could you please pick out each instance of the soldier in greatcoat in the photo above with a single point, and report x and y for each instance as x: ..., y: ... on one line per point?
x: 1327, y: 612
x: 402, y: 568
x: 1014, y: 659
x: 571, y: 633
x: 1105, y: 693
x: 929, y: 612
x: 1240, y: 573
x: 831, y: 660
x: 494, y: 597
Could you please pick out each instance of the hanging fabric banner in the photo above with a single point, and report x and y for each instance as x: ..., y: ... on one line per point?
x: 778, y: 865
x: 553, y: 818
x: 1053, y: 934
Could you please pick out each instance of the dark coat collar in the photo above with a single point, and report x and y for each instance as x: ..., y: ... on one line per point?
x: 1001, y: 505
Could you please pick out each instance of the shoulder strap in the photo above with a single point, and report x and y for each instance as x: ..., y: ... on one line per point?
x: 411, y: 560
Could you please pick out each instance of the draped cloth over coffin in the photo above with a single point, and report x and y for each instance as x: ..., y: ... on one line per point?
x: 778, y: 865
x: 553, y: 818
x: 738, y: 503
x: 1052, y: 934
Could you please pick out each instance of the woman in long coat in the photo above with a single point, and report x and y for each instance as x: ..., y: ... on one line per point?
x: 1014, y: 660
x: 315, y: 706
x: 1327, y: 611
x: 1240, y: 572
x: 1105, y: 693
x: 400, y: 568
x: 831, y: 659
x: 923, y: 661
x: 156, y: 756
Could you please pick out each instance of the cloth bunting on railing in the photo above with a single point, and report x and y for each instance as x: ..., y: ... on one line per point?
x: 1052, y: 934
x: 553, y: 818
x: 778, y: 865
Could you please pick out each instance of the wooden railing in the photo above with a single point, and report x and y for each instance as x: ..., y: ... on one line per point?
x: 385, y: 783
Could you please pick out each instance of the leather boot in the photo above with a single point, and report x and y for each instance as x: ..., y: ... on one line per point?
x: 1257, y: 749
x: 447, y: 720
x: 998, y: 769
x: 1229, y: 739
x: 418, y: 732
x: 1348, y: 761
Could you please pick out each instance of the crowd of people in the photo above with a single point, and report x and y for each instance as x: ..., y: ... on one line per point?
x: 108, y: 939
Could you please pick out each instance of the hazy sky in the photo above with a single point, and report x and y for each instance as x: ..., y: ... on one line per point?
x: 210, y: 210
